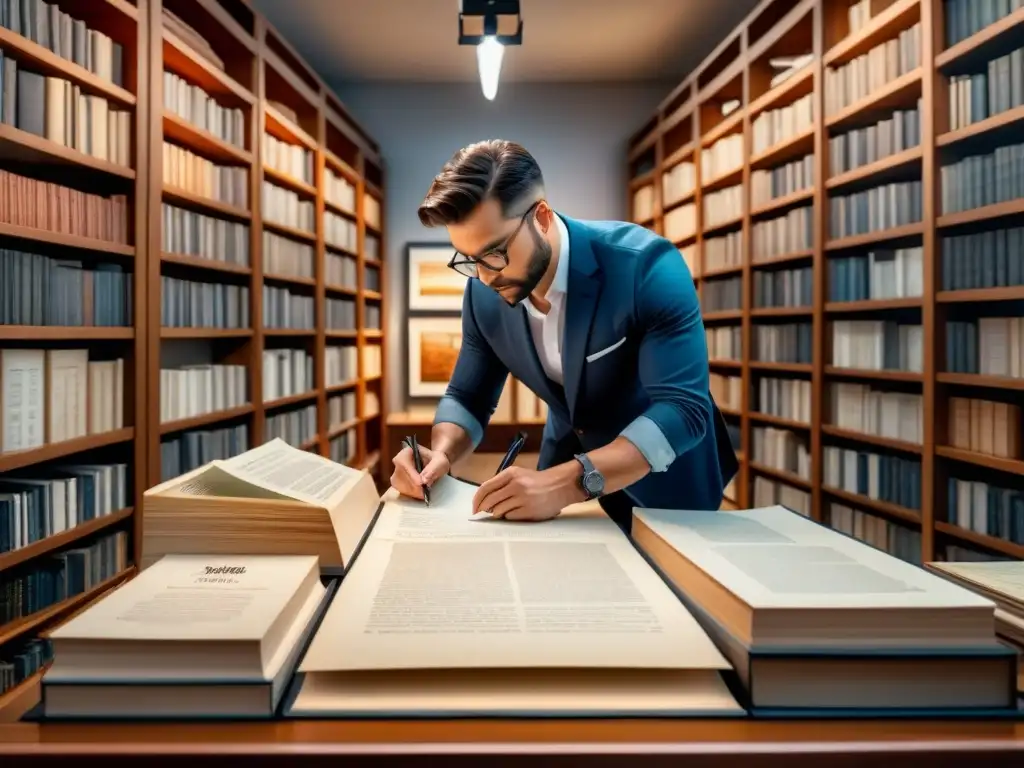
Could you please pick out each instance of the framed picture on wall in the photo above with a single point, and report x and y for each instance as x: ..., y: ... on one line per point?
x: 432, y: 285
x: 434, y: 344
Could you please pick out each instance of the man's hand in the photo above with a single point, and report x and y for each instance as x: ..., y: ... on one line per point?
x: 518, y: 493
x: 407, y: 481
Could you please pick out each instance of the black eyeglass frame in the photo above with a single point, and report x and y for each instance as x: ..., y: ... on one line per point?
x: 501, y: 251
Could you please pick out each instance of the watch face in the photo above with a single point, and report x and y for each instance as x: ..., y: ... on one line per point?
x: 593, y: 483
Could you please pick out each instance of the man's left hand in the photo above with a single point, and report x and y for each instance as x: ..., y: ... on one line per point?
x: 524, y: 494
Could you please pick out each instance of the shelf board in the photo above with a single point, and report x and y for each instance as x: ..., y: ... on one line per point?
x: 78, y: 242
x: 724, y: 128
x: 282, y: 179
x: 339, y: 209
x: 779, y: 421
x: 1009, y: 120
x: 732, y: 269
x: 283, y: 402
x: 721, y: 226
x: 1003, y: 293
x: 886, y: 25
x: 308, y: 282
x: 789, y: 367
x: 46, y: 62
x: 205, y: 333
x: 786, y: 201
x: 34, y: 621
x: 17, y: 701
x: 24, y: 147
x: 204, y: 420
x: 198, y: 262
x: 984, y: 45
x: 790, y: 478
x: 785, y: 258
x: 291, y: 232
x: 335, y: 388
x: 61, y: 540
x: 780, y: 311
x: 1001, y: 463
x: 894, y: 511
x: 725, y: 314
x: 870, y: 238
x: 990, y: 543
x: 872, y: 375
x: 203, y: 142
x: 63, y: 332
x: 880, y: 167
x: 284, y: 129
x: 995, y: 211
x: 894, y: 94
x: 677, y: 156
x: 873, y: 305
x: 877, y: 440
x: 731, y: 178
x: 795, y: 146
x: 13, y: 460
x: 187, y: 199
x: 980, y: 380
x: 797, y: 85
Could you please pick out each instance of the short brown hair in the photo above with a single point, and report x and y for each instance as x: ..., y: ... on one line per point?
x: 496, y: 168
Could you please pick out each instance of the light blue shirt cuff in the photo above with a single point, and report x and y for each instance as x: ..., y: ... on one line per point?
x: 646, y: 435
x: 452, y: 411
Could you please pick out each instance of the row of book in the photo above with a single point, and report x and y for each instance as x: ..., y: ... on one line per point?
x: 55, y: 395
x: 877, y: 275
x: 871, y: 210
x: 194, y: 304
x: 784, y: 288
x: 988, y: 259
x: 296, y: 426
x: 722, y: 157
x: 777, y: 125
x: 990, y: 346
x: 680, y: 222
x: 726, y: 391
x: 38, y: 505
x: 185, y: 170
x: 285, y: 309
x: 782, y: 235
x: 785, y: 343
x: 339, y: 191
x: 343, y: 448
x: 723, y: 251
x: 58, y: 110
x: 989, y: 508
x: 722, y: 206
x: 286, y: 208
x: 881, y: 477
x: 964, y: 18
x: 190, y: 233
x: 341, y: 409
x: 66, y: 36
x: 195, y: 106
x: 286, y: 373
x: 42, y: 290
x: 287, y: 257
x: 290, y: 159
x: 783, y: 398
x: 862, y: 146
x: 856, y: 79
x: 786, y: 179
x: 983, y: 179
x: 782, y: 449
x: 196, y: 390
x: 722, y: 295
x: 676, y: 183
x: 340, y: 314
x: 975, y: 96
x: 878, y: 345
x: 870, y: 411
x: 985, y: 426
x: 724, y: 342
x: 768, y: 492
x: 186, y: 451
x: 897, y: 540
x: 340, y: 232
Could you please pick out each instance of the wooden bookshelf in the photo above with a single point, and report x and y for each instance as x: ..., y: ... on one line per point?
x: 241, y: 62
x: 686, y: 126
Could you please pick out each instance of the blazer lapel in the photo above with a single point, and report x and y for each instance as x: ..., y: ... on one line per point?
x: 581, y: 301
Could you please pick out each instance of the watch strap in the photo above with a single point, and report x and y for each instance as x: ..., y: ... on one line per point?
x: 584, y: 460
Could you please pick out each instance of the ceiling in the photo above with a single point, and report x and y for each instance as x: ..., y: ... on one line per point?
x: 563, y: 40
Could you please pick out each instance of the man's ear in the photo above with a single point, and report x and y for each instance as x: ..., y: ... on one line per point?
x: 545, y: 216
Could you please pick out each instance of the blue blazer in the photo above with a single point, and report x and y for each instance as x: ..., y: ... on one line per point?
x: 631, y: 297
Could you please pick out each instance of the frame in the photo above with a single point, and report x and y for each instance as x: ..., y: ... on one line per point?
x: 432, y: 285
x: 434, y: 344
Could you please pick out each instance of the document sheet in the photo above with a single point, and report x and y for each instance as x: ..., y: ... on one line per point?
x: 433, y: 589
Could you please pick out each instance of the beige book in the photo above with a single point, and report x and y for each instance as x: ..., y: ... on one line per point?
x: 192, y: 635
x: 814, y: 620
x: 446, y: 615
x: 774, y: 578
x: 1000, y: 581
x: 271, y: 500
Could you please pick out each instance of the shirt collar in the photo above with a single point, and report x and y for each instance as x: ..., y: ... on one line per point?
x: 560, y: 283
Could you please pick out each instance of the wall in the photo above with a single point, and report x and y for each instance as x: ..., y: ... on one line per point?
x: 577, y: 133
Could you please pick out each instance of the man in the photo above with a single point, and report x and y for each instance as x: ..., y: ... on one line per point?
x: 601, y: 320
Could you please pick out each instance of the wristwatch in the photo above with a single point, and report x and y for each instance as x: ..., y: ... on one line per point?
x: 591, y: 481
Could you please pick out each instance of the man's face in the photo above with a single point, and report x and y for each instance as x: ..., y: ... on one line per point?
x: 490, y: 239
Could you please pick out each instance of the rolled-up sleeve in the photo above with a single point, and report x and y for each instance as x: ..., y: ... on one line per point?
x: 673, y: 362
x: 475, y: 386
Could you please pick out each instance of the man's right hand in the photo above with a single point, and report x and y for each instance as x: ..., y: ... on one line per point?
x: 407, y: 481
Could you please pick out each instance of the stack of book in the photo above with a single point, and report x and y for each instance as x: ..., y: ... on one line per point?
x: 818, y: 623
x: 1003, y: 583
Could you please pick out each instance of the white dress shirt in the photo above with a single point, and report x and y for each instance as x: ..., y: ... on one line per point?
x: 547, y: 329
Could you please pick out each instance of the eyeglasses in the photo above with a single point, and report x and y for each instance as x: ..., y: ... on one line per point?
x: 495, y: 259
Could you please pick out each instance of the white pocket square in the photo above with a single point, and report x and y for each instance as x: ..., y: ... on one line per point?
x: 606, y: 350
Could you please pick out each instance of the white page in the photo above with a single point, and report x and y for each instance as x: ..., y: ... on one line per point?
x: 195, y: 597
x: 448, y: 519
x: 437, y: 604
x: 293, y: 473
x: 775, y: 558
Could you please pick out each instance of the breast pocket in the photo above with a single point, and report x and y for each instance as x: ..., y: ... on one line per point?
x: 606, y: 351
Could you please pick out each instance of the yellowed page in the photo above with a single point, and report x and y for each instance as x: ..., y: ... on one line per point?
x: 1005, y: 578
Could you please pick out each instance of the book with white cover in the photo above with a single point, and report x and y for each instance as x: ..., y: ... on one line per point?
x: 443, y: 615
x: 189, y: 635
x: 774, y: 578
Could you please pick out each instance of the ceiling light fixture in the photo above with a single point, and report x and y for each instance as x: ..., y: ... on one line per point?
x: 490, y: 25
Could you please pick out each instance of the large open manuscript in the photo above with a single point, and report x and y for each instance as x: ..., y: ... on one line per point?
x: 442, y: 614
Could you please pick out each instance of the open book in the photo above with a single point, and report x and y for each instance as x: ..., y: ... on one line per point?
x: 443, y: 615
x: 271, y: 500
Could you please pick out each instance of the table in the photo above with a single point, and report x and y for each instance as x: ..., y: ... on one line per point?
x: 537, y: 744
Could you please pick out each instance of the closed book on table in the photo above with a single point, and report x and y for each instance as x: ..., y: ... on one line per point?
x: 191, y: 636
x: 441, y: 615
x: 271, y: 500
x: 816, y: 622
